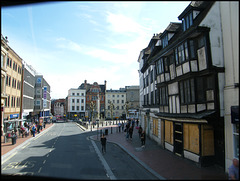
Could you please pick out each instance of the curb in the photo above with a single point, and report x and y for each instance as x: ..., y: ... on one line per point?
x: 22, y: 144
x: 137, y: 159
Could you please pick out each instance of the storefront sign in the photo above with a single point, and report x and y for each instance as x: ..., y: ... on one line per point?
x: 14, y: 116
x: 235, y: 114
x: 45, y: 96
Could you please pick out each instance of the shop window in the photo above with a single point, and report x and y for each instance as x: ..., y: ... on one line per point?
x: 169, y: 132
x: 236, y: 139
x: 155, y: 127
x: 191, y: 137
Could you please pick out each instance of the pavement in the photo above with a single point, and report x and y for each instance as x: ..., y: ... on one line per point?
x: 8, y: 146
x: 160, y: 162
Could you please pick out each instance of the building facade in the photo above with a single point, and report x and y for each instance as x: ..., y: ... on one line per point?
x: 115, y: 105
x: 42, y: 101
x: 132, y: 102
x: 76, y: 103
x: 230, y: 30
x: 13, y: 87
x: 95, y: 100
x: 28, y: 93
x: 59, y: 108
x: 186, y: 113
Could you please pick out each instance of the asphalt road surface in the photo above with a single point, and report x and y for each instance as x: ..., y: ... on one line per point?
x: 65, y: 151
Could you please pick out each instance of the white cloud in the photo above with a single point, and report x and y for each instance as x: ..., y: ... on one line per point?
x: 119, y: 23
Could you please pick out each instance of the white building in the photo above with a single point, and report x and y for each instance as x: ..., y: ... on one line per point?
x: 115, y: 103
x: 76, y: 103
x: 230, y: 35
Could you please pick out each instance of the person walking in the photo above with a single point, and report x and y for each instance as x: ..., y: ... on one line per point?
x: 140, y: 131
x: 103, y: 142
x: 233, y: 170
x: 33, y: 130
x: 131, y: 132
x: 143, y: 138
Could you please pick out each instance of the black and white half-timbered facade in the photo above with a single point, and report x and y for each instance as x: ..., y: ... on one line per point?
x: 181, y: 86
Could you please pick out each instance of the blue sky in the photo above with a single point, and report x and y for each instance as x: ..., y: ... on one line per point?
x: 69, y: 42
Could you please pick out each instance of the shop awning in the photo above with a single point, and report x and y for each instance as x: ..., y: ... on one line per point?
x: 14, y: 120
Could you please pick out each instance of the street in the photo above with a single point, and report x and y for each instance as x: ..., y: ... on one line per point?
x: 66, y: 151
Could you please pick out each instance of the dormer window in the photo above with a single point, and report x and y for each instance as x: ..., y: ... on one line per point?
x: 165, y: 41
x: 187, y: 21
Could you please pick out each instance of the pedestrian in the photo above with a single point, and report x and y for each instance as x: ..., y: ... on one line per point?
x: 103, y: 142
x: 140, y: 131
x: 127, y: 130
x: 119, y: 127
x: 137, y: 122
x: 38, y: 127
x: 131, y: 132
x: 143, y: 138
x: 122, y: 126
x: 33, y: 130
x: 233, y: 170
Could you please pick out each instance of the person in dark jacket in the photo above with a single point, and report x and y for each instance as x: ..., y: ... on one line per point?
x: 140, y: 131
x: 103, y: 142
x: 143, y: 138
x: 131, y: 132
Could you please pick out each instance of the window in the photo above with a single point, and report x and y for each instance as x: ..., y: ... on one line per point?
x: 10, y: 64
x: 73, y: 94
x: 187, y: 21
x: 186, y: 50
x: 181, y: 53
x: 73, y: 108
x: 157, y: 97
x: 77, y: 100
x: 166, y: 64
x: 122, y: 101
x: 117, y: 101
x: 163, y: 96
x: 187, y: 91
x: 176, y: 56
x: 152, y: 98
x: 8, y: 102
x: 7, y: 80
x: 82, y: 100
x: 82, y: 94
x: 77, y: 94
x: 77, y: 108
x: 200, y: 90
x: 165, y: 41
x: 151, y: 76
x: 236, y: 139
x: 155, y: 127
x: 201, y: 42
x: 72, y: 100
x: 192, y: 49
x: 8, y: 61
x: 82, y: 108
x: 159, y: 66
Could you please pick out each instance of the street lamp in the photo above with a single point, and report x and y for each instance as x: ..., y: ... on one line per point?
x: 92, y: 106
x: 127, y: 108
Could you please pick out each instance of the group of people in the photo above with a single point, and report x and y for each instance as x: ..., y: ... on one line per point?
x: 129, y: 131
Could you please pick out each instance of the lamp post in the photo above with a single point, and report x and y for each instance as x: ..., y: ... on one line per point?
x: 111, y: 109
x: 92, y: 106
